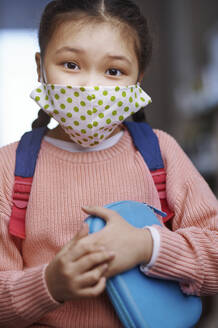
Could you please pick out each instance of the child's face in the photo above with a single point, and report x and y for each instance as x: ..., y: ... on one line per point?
x: 90, y: 55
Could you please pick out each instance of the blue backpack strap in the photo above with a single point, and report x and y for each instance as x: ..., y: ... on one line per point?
x: 27, y: 152
x: 26, y: 158
x: 147, y: 143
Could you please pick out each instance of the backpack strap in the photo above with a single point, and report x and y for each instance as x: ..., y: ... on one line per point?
x: 146, y: 141
x: 26, y: 158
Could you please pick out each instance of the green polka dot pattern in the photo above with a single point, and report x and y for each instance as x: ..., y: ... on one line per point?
x: 85, y: 112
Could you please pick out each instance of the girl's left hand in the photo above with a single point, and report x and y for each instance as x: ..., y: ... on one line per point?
x: 132, y: 246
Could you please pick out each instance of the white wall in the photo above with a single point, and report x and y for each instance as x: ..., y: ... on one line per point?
x: 17, y: 79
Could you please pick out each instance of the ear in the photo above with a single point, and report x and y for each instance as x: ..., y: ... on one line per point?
x: 38, y: 64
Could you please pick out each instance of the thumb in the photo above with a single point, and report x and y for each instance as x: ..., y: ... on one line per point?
x: 101, y: 212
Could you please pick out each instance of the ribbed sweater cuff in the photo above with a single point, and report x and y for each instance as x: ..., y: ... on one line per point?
x: 30, y: 296
x: 176, y: 262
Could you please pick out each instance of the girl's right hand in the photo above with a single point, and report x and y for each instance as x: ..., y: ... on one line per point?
x: 77, y: 271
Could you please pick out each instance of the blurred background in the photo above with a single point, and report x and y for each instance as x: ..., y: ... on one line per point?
x: 182, y: 81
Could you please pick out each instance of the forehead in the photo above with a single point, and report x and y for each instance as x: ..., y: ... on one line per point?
x: 99, y: 36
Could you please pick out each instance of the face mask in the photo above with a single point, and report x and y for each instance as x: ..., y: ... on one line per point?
x: 90, y: 114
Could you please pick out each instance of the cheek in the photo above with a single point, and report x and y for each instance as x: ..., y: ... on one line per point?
x: 55, y: 75
x: 136, y: 73
x: 133, y: 79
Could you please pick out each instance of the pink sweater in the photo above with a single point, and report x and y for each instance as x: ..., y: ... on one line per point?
x: 63, y: 182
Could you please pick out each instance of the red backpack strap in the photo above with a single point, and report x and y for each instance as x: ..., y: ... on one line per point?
x: 26, y: 158
x: 20, y: 198
x: 147, y: 143
x: 159, y: 178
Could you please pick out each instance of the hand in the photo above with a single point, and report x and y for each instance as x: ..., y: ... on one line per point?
x: 132, y: 246
x: 77, y: 271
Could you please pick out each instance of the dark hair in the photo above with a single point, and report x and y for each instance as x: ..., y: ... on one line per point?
x: 42, y: 120
x: 124, y: 11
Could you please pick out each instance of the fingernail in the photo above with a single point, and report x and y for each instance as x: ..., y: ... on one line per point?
x: 86, y: 208
x: 105, y: 266
x: 111, y: 253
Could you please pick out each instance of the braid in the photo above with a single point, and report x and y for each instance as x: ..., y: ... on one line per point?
x: 139, y: 116
x: 42, y: 120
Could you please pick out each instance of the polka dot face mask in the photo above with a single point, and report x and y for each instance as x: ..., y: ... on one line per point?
x: 90, y: 114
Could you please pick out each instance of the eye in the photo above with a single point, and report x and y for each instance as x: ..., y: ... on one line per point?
x: 114, y: 72
x: 71, y: 66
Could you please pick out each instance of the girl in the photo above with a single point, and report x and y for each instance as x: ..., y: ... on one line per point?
x: 96, y: 52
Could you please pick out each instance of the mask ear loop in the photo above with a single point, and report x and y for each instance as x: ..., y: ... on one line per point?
x: 43, y: 79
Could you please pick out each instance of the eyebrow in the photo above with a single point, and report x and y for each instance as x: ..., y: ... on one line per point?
x: 81, y: 51
x: 69, y: 49
x: 118, y: 57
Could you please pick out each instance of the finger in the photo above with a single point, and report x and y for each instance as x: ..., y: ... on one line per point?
x: 83, y: 232
x: 91, y: 278
x: 81, y: 249
x: 95, y: 290
x: 102, y: 212
x: 75, y: 248
x: 86, y: 263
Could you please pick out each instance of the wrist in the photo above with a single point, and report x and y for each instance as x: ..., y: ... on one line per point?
x: 146, y: 246
x: 50, y: 283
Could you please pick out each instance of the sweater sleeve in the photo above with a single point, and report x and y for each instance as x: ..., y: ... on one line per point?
x: 24, y: 297
x: 188, y: 253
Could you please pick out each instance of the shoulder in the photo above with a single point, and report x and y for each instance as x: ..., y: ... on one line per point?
x: 168, y: 144
x: 7, y: 162
x: 7, y: 155
x: 166, y: 141
x: 176, y: 161
x: 7, y: 166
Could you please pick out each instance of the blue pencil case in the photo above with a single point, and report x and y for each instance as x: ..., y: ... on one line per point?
x: 141, y: 301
